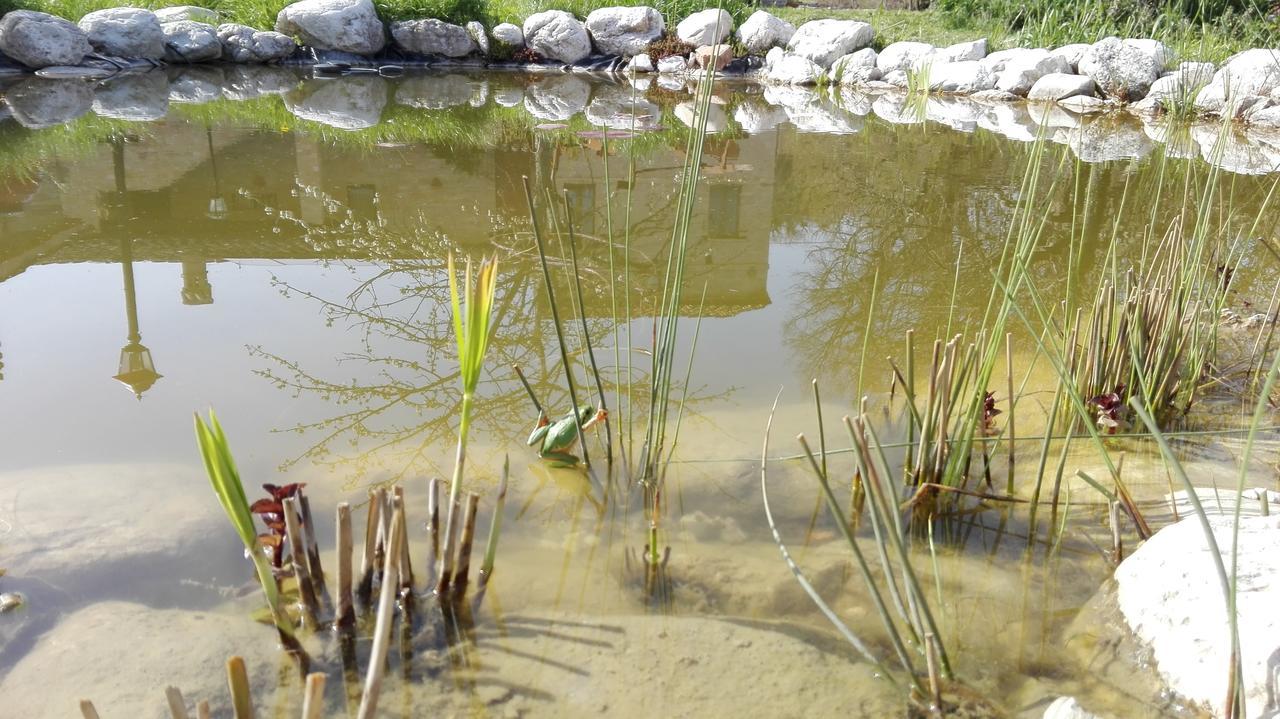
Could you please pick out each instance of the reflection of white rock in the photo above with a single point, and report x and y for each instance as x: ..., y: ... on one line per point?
x: 39, y: 103
x: 1067, y: 708
x: 757, y: 117
x: 196, y: 85
x: 895, y: 109
x: 1011, y: 121
x: 1175, y: 137
x: 508, y: 96
x: 717, y: 120
x: 435, y: 92
x: 82, y: 657
x: 1234, y: 152
x: 1106, y: 139
x: 618, y: 110
x: 557, y: 98
x: 1169, y: 593
x: 347, y: 103
x: 1084, y: 104
x: 246, y: 82
x: 140, y: 97
x: 856, y: 101
x: 1051, y: 115
x: 957, y: 113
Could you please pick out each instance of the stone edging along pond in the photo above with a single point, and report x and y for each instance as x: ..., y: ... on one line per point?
x: 337, y: 35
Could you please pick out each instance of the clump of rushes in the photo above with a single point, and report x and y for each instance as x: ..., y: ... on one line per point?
x: 472, y: 326
x: 225, y: 479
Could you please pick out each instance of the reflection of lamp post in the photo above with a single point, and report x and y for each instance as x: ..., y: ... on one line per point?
x: 137, y: 371
x: 217, y: 203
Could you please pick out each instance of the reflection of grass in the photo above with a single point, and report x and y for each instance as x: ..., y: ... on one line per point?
x: 23, y: 151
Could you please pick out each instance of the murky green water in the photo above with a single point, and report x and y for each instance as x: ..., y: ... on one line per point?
x: 291, y: 275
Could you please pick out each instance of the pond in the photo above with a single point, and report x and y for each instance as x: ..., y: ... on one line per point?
x: 278, y: 252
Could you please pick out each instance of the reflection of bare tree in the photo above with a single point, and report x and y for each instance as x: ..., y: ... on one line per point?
x: 397, y: 413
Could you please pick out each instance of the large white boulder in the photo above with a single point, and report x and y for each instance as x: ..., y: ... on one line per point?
x: 508, y: 35
x: 824, y: 41
x: 792, y: 69
x: 1022, y: 71
x: 343, y: 25
x: 1169, y: 593
x: 433, y: 37
x: 125, y: 32
x: 1072, y: 54
x: 1252, y: 72
x: 243, y: 44
x: 194, y: 13
x: 902, y: 55
x: 962, y: 51
x: 478, y: 35
x: 964, y: 78
x: 1185, y: 82
x: 625, y: 31
x: 856, y: 68
x: 1060, y: 86
x: 763, y: 31
x: 1122, y: 69
x: 557, y: 35
x: 705, y: 27
x: 38, y: 39
x: 190, y: 41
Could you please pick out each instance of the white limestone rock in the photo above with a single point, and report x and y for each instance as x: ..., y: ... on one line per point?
x: 791, y: 69
x: 1060, y: 86
x: 824, y: 41
x: 961, y: 77
x: 1067, y: 708
x: 902, y: 56
x: 712, y: 55
x: 125, y: 32
x: 641, y: 63
x: 1252, y: 72
x: 433, y: 37
x: 1169, y: 593
x: 194, y: 13
x: 188, y: 41
x: 478, y: 35
x: 705, y: 27
x: 243, y: 44
x: 763, y: 31
x: 625, y: 31
x: 344, y: 25
x: 1071, y: 54
x: 673, y: 65
x: 1022, y: 71
x: 1123, y: 70
x: 347, y: 103
x: 509, y: 35
x: 38, y: 39
x: 557, y: 35
x: 856, y: 68
x: 962, y: 51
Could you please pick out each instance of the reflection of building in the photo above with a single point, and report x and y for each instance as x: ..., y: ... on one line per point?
x: 272, y: 190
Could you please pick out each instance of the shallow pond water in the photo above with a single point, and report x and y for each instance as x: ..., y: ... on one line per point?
x: 279, y: 254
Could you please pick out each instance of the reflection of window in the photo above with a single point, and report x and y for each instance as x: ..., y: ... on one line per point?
x: 582, y: 202
x: 363, y: 200
x: 724, y: 210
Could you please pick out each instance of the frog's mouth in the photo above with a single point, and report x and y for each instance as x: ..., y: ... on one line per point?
x: 601, y: 415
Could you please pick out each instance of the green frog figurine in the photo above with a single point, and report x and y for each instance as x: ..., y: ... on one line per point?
x: 555, y: 439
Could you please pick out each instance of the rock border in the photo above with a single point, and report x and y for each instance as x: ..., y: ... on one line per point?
x: 1141, y: 75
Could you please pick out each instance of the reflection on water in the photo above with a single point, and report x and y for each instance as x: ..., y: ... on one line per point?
x: 225, y: 255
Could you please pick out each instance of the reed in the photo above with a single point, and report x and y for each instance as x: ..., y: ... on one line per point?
x: 225, y: 478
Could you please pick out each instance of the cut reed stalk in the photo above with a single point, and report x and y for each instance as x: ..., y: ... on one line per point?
x: 313, y: 552
x: 433, y: 522
x: 87, y: 710
x: 1117, y: 541
x: 203, y: 711
x: 495, y: 527
x: 313, y: 697
x: 406, y: 563
x: 238, y: 685
x: 346, y: 615
x: 177, y: 705
x: 368, y: 562
x: 462, y: 574
x: 1009, y: 427
x: 301, y: 570
x: 385, y: 618
x: 449, y: 551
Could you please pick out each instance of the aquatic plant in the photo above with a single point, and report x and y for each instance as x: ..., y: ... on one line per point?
x: 472, y: 325
x: 225, y: 478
